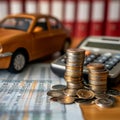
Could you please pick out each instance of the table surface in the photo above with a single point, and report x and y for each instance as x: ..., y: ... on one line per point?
x: 93, y: 112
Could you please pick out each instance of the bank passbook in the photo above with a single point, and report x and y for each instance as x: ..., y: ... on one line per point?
x: 104, y: 50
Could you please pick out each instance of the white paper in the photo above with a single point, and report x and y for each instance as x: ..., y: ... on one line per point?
x: 24, y: 96
x: 98, y: 10
x: 83, y: 11
x: 30, y: 6
x: 16, y: 7
x: 57, y: 9
x: 3, y: 9
x: 69, y: 11
x: 114, y: 10
x: 43, y: 7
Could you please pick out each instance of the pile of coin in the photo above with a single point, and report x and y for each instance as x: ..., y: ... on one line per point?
x: 97, y: 77
x: 58, y: 94
x: 74, y: 70
x: 83, y: 96
x: 75, y: 91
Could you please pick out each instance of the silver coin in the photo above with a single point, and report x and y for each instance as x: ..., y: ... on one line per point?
x: 59, y: 87
x: 84, y: 101
x: 66, y: 100
x: 101, y: 95
x: 114, y: 92
x: 55, y: 93
x: 104, y: 102
x: 104, y: 95
x: 75, y: 51
x: 54, y: 99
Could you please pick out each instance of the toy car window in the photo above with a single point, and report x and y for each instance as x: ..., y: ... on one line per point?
x: 16, y: 23
x: 42, y: 23
x: 54, y: 24
x: 9, y: 22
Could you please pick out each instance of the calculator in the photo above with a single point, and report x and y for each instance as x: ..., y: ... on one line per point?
x: 101, y: 49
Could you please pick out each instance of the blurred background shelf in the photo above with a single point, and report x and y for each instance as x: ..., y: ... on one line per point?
x: 81, y: 17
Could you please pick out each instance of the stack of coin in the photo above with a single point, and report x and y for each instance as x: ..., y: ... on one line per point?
x: 97, y: 77
x: 74, y: 70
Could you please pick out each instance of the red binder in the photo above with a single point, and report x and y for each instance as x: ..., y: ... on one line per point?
x: 16, y: 6
x: 44, y: 6
x: 113, y: 18
x: 82, y: 19
x: 31, y: 6
x: 56, y: 9
x: 97, y: 17
x: 69, y: 15
x: 3, y: 8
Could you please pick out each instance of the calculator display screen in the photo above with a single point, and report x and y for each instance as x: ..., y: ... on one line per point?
x: 103, y: 45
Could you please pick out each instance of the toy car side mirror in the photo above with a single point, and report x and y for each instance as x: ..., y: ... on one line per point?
x: 37, y: 29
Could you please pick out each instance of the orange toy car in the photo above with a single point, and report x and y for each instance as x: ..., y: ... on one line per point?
x: 26, y: 37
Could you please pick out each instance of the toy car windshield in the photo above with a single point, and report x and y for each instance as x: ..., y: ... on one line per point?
x: 16, y: 23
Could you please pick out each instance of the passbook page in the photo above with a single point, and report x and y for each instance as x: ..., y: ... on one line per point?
x: 23, y: 96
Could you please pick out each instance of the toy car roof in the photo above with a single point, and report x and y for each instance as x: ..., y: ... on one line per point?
x: 27, y: 15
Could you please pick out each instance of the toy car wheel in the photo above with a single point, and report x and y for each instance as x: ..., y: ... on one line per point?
x: 18, y: 62
x: 65, y: 47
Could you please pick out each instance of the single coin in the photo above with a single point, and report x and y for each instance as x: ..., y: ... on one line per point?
x: 104, y: 102
x: 114, y: 92
x: 74, y: 85
x: 76, y: 51
x: 59, y: 87
x: 98, y: 90
x: 98, y: 87
x: 86, y: 86
x: 74, y: 71
x: 71, y: 66
x: 101, y: 95
x: 101, y: 73
x: 97, y: 82
x: 96, y: 70
x: 104, y: 95
x: 72, y: 79
x: 95, y: 66
x: 84, y: 101
x: 54, y: 99
x: 55, y: 93
x: 66, y: 100
x: 76, y: 58
x: 70, y: 92
x: 71, y: 74
x: 85, y: 94
x: 112, y: 98
x: 97, y: 77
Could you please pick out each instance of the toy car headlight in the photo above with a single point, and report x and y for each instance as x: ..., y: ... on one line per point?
x: 1, y: 48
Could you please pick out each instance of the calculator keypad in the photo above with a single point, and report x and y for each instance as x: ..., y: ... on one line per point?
x: 107, y: 59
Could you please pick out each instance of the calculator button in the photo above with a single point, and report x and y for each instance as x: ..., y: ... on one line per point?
x: 117, y: 56
x: 105, y: 57
x: 88, y: 59
x: 107, y: 54
x: 63, y: 60
x: 92, y: 56
x: 108, y: 66
x: 115, y: 60
x: 85, y: 62
x: 96, y: 61
x: 110, y: 63
x: 101, y: 60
